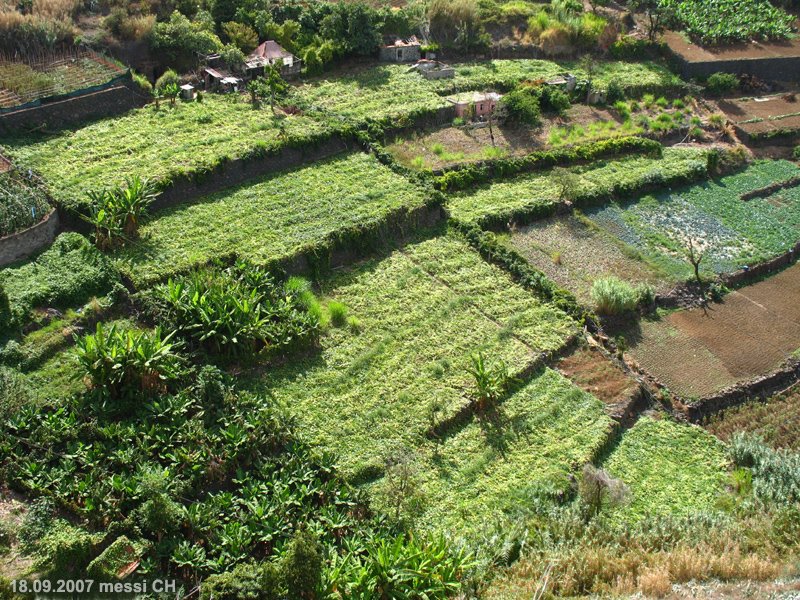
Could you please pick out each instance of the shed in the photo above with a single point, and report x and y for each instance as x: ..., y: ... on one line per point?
x: 484, y: 103
x: 271, y: 53
x: 433, y: 69
x: 188, y: 92
x: 399, y: 50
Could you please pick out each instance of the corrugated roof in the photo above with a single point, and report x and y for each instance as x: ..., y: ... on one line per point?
x: 269, y: 50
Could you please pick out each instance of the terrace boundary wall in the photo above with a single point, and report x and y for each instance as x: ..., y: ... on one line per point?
x: 110, y: 101
x: 27, y: 242
x: 778, y: 68
x: 236, y: 172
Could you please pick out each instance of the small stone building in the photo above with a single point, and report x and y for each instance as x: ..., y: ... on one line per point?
x: 270, y: 53
x: 433, y: 69
x: 475, y: 104
x: 401, y: 50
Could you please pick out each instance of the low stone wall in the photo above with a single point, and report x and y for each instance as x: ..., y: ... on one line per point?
x: 786, y: 68
x: 741, y: 277
x: 760, y: 388
x: 55, y: 115
x: 23, y: 244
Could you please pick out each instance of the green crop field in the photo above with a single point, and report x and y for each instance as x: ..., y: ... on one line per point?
x: 272, y: 218
x: 634, y: 78
x: 731, y: 231
x: 392, y: 92
x: 421, y: 312
x: 670, y: 468
x: 539, y: 189
x: 731, y: 21
x: 495, y: 465
x: 187, y: 139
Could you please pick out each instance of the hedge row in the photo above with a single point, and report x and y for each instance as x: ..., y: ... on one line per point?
x: 467, y: 176
x: 532, y: 279
x: 540, y: 210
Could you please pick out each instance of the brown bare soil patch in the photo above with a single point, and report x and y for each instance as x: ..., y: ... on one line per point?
x: 694, y: 53
x: 760, y: 115
x: 697, y: 352
x: 594, y: 373
x: 574, y: 256
x: 13, y: 564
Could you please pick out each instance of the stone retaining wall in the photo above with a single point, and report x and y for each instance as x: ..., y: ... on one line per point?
x: 23, y: 244
x: 55, y: 115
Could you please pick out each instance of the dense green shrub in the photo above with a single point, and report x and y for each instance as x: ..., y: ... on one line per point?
x: 181, y: 40
x: 117, y: 212
x: 65, y: 550
x: 553, y: 99
x: 126, y: 365
x: 722, y: 83
x: 520, y: 106
x: 612, y: 296
x: 239, y: 310
x: 776, y: 473
x: 69, y: 273
x: 247, y: 581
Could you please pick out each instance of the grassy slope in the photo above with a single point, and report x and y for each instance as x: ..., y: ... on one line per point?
x: 272, y: 218
x: 670, y: 468
x: 161, y: 144
x: 422, y: 312
x: 537, y: 188
x: 539, y: 435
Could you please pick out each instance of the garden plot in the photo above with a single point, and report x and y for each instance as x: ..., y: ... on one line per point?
x: 540, y: 189
x: 162, y: 144
x: 765, y: 116
x: 730, y: 232
x: 574, y: 255
x: 500, y: 461
x: 272, y: 218
x: 697, y: 352
x: 377, y: 386
x: 454, y: 145
x: 777, y: 420
x: 594, y: 373
x: 670, y: 468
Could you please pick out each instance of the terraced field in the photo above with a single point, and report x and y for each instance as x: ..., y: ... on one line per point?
x: 574, y: 255
x: 700, y: 351
x: 777, y: 420
x: 670, y: 469
x: 422, y: 313
x: 540, y: 189
x: 187, y: 139
x: 272, y: 218
x: 729, y: 231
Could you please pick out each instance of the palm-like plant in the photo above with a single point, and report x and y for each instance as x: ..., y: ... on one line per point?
x: 117, y: 212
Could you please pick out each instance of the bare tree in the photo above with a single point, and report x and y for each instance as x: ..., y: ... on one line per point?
x: 695, y: 257
x: 596, y: 487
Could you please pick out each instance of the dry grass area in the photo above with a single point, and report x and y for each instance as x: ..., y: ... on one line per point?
x: 13, y: 564
x: 700, y: 351
x: 777, y: 421
x: 613, y: 572
x: 575, y: 254
x: 452, y: 145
